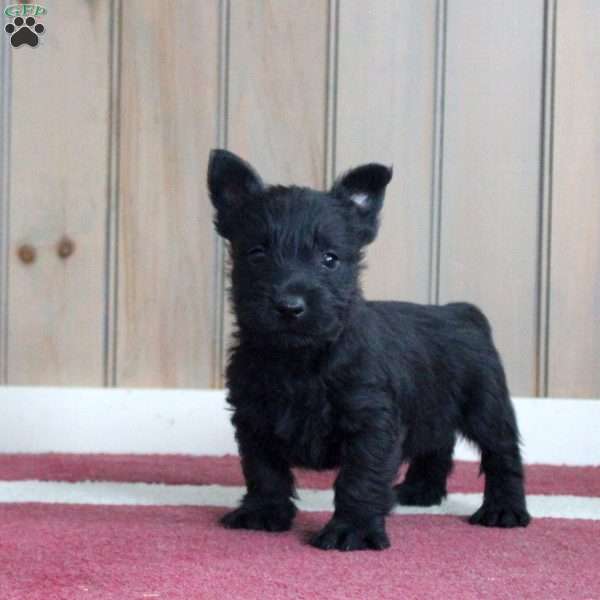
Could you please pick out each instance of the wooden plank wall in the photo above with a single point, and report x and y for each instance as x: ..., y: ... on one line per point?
x: 164, y: 328
x: 488, y: 112
x: 59, y: 115
x: 386, y: 66
x: 491, y: 170
x: 574, y: 279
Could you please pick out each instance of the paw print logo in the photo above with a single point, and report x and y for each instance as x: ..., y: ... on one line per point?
x: 24, y: 32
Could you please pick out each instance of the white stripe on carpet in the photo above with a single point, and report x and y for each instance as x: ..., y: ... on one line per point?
x: 160, y: 494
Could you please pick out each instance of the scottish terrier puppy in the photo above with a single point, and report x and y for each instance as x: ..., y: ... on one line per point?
x: 321, y: 378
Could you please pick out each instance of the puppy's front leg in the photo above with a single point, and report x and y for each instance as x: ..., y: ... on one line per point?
x: 270, y: 485
x: 363, y: 490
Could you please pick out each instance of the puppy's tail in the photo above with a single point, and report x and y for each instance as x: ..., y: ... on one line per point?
x: 474, y: 315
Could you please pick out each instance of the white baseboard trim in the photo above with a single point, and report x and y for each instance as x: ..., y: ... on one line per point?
x: 152, y: 421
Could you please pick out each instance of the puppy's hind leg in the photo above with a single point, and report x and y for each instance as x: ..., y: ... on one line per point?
x: 491, y: 424
x: 425, y: 481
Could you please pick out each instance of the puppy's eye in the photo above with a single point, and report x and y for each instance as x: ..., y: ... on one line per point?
x: 256, y: 254
x: 330, y: 260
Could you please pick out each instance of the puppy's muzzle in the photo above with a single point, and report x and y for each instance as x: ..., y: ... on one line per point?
x: 290, y: 306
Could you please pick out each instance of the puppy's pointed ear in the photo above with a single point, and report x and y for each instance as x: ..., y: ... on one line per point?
x: 363, y: 188
x: 230, y: 179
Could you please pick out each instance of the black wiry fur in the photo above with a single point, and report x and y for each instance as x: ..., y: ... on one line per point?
x: 322, y: 378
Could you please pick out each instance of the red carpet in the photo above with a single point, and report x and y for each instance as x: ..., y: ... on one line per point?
x: 61, y: 551
x: 225, y: 470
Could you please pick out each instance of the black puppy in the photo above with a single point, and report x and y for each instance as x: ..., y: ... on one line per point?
x: 321, y: 378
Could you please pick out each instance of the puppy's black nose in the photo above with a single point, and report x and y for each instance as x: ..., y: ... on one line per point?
x: 291, y: 306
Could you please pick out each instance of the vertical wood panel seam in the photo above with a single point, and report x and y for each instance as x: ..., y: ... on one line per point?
x: 5, y: 135
x: 112, y: 209
x: 218, y: 345
x: 331, y: 91
x: 437, y: 158
x: 545, y: 198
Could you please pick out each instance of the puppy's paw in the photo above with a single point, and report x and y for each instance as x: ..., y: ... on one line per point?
x: 342, y: 535
x: 418, y: 495
x: 498, y: 515
x: 266, y: 517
